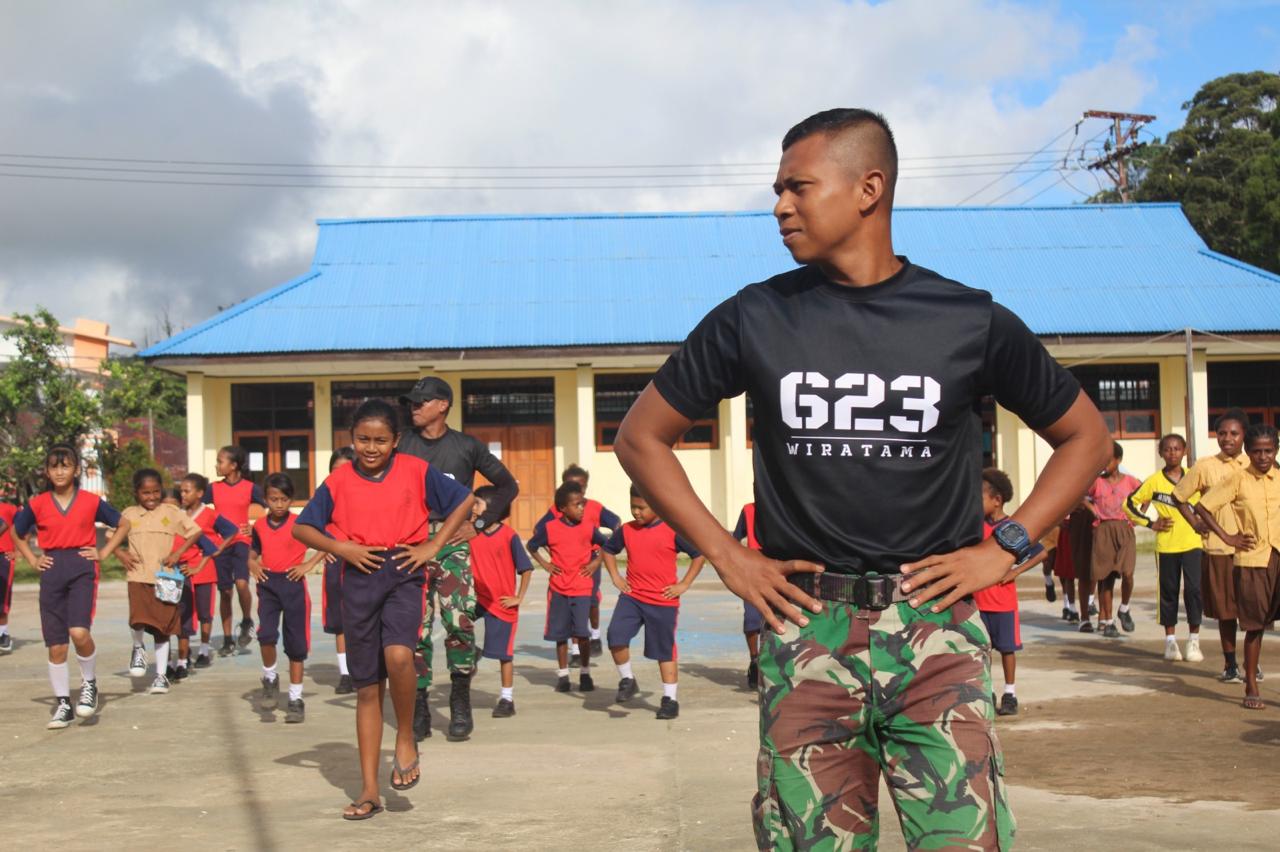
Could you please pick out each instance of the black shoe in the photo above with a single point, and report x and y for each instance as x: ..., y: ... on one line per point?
x: 1126, y: 621
x: 228, y: 647
x: 245, y: 634
x: 180, y: 673
x: 1231, y: 674
x: 1093, y: 609
x: 1086, y: 627
x: 6, y: 644
x: 1072, y: 617
x: 270, y: 694
x: 344, y: 686
x: 62, y: 715
x: 296, y: 712
x: 585, y: 683
x: 203, y: 661
x: 668, y: 709
x: 460, y: 722
x: 171, y: 672
x: 597, y: 648
x: 1066, y: 613
x: 421, y: 716
x: 505, y: 709
x: 627, y: 689
x: 562, y: 684
x: 1110, y: 631
x: 1050, y: 593
x: 753, y: 674
x: 1008, y: 705
x: 88, y: 703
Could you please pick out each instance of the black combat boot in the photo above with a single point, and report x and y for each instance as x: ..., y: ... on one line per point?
x: 460, y: 723
x: 421, y: 717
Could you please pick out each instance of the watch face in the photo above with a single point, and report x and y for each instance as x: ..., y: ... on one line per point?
x: 480, y: 525
x: 1012, y: 536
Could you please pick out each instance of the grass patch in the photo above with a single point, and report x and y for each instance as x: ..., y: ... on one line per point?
x: 112, y: 569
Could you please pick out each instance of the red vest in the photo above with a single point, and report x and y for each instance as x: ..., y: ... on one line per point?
x: 204, y: 519
x: 749, y: 511
x: 74, y: 529
x: 381, y: 512
x: 651, y: 561
x: 8, y: 511
x: 280, y: 550
x: 232, y: 502
x: 494, y: 570
x: 571, y: 548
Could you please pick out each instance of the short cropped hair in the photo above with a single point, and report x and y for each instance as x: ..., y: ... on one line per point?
x: 1235, y: 414
x: 564, y: 492
x: 1172, y: 436
x: 834, y: 122
x: 198, y: 482
x: 1258, y: 431
x: 999, y: 483
x: 574, y: 471
x: 280, y: 482
x: 341, y: 454
x: 1117, y: 451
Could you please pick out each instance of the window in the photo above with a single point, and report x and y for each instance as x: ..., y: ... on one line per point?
x: 614, y: 394
x: 508, y: 402
x: 1250, y: 385
x: 1128, y: 395
x: 275, y: 423
x: 346, y: 397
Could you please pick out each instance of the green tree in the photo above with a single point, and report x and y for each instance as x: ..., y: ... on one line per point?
x: 1223, y: 165
x: 42, y: 402
x: 134, y: 389
x: 120, y: 463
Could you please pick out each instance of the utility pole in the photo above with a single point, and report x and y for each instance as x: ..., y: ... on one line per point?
x: 1125, y: 142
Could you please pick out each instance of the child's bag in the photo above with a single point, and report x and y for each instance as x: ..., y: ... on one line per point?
x: 169, y: 583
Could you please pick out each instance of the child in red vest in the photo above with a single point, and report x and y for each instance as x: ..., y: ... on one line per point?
x: 752, y: 620
x: 497, y: 559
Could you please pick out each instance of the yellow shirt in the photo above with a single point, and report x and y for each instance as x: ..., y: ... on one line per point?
x: 151, y: 537
x: 1158, y: 490
x: 1255, y: 500
x: 1205, y: 474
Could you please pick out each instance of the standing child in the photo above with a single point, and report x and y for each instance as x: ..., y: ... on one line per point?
x: 497, y: 558
x: 1064, y: 568
x: 8, y: 512
x: 572, y: 541
x: 1254, y: 495
x: 998, y: 604
x: 752, y: 620
x: 1114, y: 548
x: 331, y: 591
x: 1178, y: 553
x: 154, y: 546
x: 232, y: 497
x: 650, y: 598
x: 597, y: 517
x: 380, y: 507
x: 200, y: 566
x: 279, y: 563
x: 63, y: 519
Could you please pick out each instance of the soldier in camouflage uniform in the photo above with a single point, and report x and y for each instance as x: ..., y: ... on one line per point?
x: 449, y: 581
x: 865, y: 372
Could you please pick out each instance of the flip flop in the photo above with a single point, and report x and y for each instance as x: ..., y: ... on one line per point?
x: 375, y: 809
x: 397, y: 769
x: 1253, y: 702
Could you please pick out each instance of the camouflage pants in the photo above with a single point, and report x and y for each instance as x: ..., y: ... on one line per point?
x: 449, y: 586
x: 859, y: 693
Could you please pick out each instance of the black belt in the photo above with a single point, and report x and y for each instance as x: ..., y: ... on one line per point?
x: 866, y: 591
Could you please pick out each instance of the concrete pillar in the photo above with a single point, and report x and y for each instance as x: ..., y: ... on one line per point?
x: 195, y: 421
x: 1205, y: 445
x: 323, y: 407
x: 585, y: 415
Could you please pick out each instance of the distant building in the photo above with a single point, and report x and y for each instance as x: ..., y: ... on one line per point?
x: 85, y: 344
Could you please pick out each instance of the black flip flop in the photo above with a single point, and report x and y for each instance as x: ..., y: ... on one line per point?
x: 376, y: 809
x: 397, y: 769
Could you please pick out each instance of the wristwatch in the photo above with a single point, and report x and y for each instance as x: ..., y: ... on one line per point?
x: 479, y: 524
x: 1013, y: 538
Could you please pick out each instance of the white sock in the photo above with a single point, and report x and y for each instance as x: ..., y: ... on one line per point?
x: 182, y: 662
x: 1093, y: 599
x: 1124, y: 607
x: 162, y: 656
x: 669, y: 690
x: 59, y: 680
x: 88, y: 666
x: 342, y: 664
x: 138, y: 637
x: 269, y: 672
x: 295, y: 691
x: 1008, y: 689
x: 1171, y: 640
x: 1071, y: 605
x: 595, y: 633
x: 507, y: 692
x: 585, y: 670
x: 204, y: 648
x: 562, y: 672
x: 624, y: 669
x: 4, y: 630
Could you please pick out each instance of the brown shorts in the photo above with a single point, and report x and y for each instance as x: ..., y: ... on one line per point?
x: 1114, y: 550
x: 1219, y: 586
x: 1080, y: 535
x: 1258, y: 595
x: 149, y: 613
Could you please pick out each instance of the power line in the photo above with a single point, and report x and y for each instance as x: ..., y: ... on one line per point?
x: 1042, y: 149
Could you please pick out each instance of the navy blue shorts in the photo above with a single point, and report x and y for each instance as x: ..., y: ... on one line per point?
x: 232, y: 565
x: 331, y: 598
x: 659, y: 623
x: 499, y: 636
x: 379, y: 610
x: 752, y: 620
x: 68, y: 595
x: 596, y: 594
x: 6, y: 584
x: 1005, y: 630
x: 280, y: 598
x: 197, y: 607
x: 567, y: 617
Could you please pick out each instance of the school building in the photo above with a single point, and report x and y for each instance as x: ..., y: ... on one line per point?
x: 547, y: 327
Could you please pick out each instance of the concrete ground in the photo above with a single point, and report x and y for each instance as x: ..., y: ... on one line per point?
x: 1113, y: 747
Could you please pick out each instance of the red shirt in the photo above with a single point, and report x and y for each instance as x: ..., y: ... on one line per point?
x: 1002, y: 597
x: 497, y: 557
x: 233, y: 501
x: 746, y: 527
x: 571, y: 546
x: 651, y: 559
x: 8, y: 512
x: 210, y: 523
x: 71, y: 529
x: 1108, y: 499
x: 275, y: 545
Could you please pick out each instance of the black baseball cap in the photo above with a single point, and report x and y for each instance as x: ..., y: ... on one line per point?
x: 427, y: 389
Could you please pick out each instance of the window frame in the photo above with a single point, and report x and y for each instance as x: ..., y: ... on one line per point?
x: 602, y: 425
x: 1117, y: 413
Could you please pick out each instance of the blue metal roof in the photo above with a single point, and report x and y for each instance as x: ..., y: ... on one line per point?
x: 476, y: 282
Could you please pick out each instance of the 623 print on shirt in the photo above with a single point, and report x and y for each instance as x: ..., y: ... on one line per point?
x: 862, y: 430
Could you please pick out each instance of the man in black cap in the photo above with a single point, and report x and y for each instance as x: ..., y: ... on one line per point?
x: 459, y: 457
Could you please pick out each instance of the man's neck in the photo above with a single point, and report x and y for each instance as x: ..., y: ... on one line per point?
x: 867, y: 260
x: 434, y: 431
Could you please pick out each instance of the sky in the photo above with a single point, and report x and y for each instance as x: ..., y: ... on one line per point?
x: 160, y: 161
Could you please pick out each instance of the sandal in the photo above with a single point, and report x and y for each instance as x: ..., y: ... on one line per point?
x: 397, y: 769
x: 374, y: 808
x: 1253, y: 702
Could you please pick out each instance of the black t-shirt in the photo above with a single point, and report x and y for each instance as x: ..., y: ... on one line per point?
x: 867, y: 433
x: 459, y: 456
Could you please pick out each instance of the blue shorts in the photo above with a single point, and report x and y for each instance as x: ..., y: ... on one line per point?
x: 331, y: 598
x: 752, y: 620
x: 596, y: 594
x: 499, y: 636
x: 378, y: 610
x: 567, y: 617
x: 1005, y: 630
x: 197, y: 607
x: 659, y: 623
x: 232, y: 565
x: 282, y: 599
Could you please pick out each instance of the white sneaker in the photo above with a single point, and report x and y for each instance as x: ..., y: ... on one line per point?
x: 1193, y: 650
x: 138, y: 662
x: 1171, y: 652
x: 159, y: 686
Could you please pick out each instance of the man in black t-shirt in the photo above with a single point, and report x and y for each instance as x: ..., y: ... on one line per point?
x: 459, y: 456
x: 865, y: 371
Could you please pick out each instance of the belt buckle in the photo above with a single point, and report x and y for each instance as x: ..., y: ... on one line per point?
x: 873, y: 592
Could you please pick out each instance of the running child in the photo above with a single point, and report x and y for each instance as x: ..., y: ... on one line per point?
x: 231, y: 497
x: 200, y: 566
x: 1217, y: 571
x: 331, y: 591
x: 8, y: 512
x: 279, y: 563
x: 571, y: 541
x: 597, y: 517
x: 998, y: 604
x: 1114, y: 547
x: 752, y: 620
x: 1178, y: 548
x: 497, y: 558
x: 154, y: 546
x: 1254, y: 495
x: 63, y: 519
x: 380, y: 507
x: 650, y: 598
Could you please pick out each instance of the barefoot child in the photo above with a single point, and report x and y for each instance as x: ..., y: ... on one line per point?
x: 752, y: 620
x: 63, y: 519
x: 380, y: 507
x: 231, y: 497
x: 331, y: 591
x: 497, y: 558
x: 8, y: 512
x: 650, y: 598
x: 200, y: 566
x: 279, y: 563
